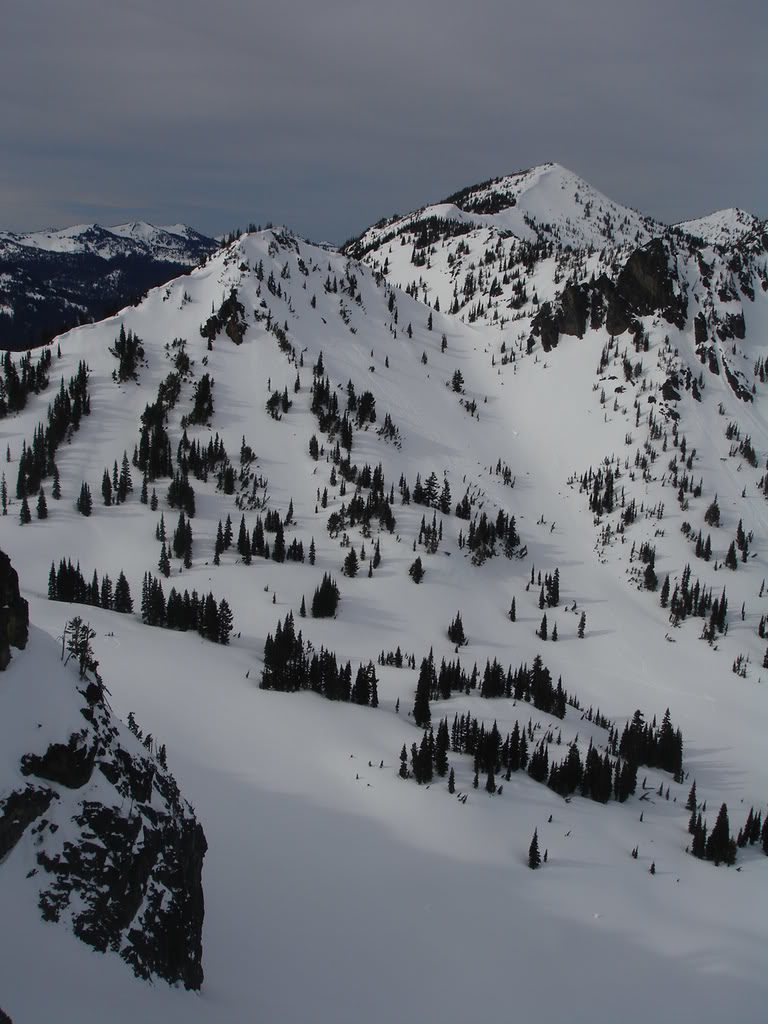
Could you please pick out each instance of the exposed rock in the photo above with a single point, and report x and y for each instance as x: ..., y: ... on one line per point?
x: 4, y: 1018
x: 70, y: 765
x: 645, y: 285
x: 14, y: 612
x: 230, y: 317
x: 18, y: 811
x: 118, y: 853
x: 570, y: 316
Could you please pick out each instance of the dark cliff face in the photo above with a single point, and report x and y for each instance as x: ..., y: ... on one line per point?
x: 14, y: 612
x: 645, y: 285
x: 115, y: 851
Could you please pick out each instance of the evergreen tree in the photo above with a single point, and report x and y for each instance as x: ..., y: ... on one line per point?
x: 351, y: 564
x: 582, y: 625
x: 25, y: 516
x: 403, y: 773
x: 85, y: 501
x: 534, y: 857
x: 543, y: 627
x: 56, y: 489
x: 720, y: 847
x: 416, y: 571
x: 650, y: 580
x: 421, y: 711
x: 690, y: 804
x: 312, y: 551
x: 730, y: 559
x: 224, y: 622
x: 42, y: 505
x: 512, y: 612
x: 456, y: 631
x: 665, y: 592
x: 122, y: 598
x: 164, y: 563
x: 451, y: 782
x: 106, y: 488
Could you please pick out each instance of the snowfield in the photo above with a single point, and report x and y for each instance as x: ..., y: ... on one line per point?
x: 336, y: 891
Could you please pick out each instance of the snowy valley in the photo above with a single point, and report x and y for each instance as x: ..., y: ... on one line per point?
x: 396, y: 556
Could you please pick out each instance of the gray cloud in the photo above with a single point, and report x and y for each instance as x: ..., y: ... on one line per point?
x: 327, y: 116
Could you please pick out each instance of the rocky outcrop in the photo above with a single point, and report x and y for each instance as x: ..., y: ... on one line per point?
x: 14, y: 612
x: 568, y: 317
x: 645, y: 285
x: 102, y: 830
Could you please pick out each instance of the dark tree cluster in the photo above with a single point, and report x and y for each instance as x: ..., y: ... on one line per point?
x: 484, y: 534
x: 431, y: 494
x: 202, y: 401
x: 597, y: 778
x: 154, y: 456
x: 129, y: 351
x: 68, y: 584
x: 291, y: 665
x: 718, y: 846
x: 18, y: 382
x: 532, y: 685
x: 456, y: 631
x: 211, y: 619
x: 396, y: 659
x: 36, y: 462
x: 325, y: 599
x: 363, y: 510
x: 643, y: 743
x: 697, y: 601
x: 200, y: 460
x: 116, y: 488
x: 181, y: 494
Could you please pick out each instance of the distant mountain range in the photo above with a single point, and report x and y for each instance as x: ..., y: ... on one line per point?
x: 51, y: 281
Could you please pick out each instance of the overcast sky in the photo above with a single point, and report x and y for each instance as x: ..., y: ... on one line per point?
x: 326, y: 115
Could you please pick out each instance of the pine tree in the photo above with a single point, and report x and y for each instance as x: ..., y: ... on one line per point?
x: 416, y: 571
x: 42, y: 505
x: 403, y: 773
x: 456, y: 631
x: 351, y: 564
x: 122, y: 599
x: 451, y: 782
x: 534, y: 857
x: 164, y: 563
x: 730, y: 559
x: 56, y: 489
x: 224, y: 621
x: 543, y: 627
x: 582, y: 625
x: 690, y: 804
x: 85, y: 501
x: 106, y: 488
x: 312, y: 554
x: 665, y: 592
x: 25, y: 516
x: 421, y: 711
x: 720, y: 847
x: 512, y: 612
x: 554, y: 632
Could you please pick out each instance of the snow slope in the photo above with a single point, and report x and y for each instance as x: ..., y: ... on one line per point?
x: 380, y: 897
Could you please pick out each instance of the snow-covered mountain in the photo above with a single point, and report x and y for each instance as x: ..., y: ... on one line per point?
x: 52, y: 280
x: 519, y: 430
